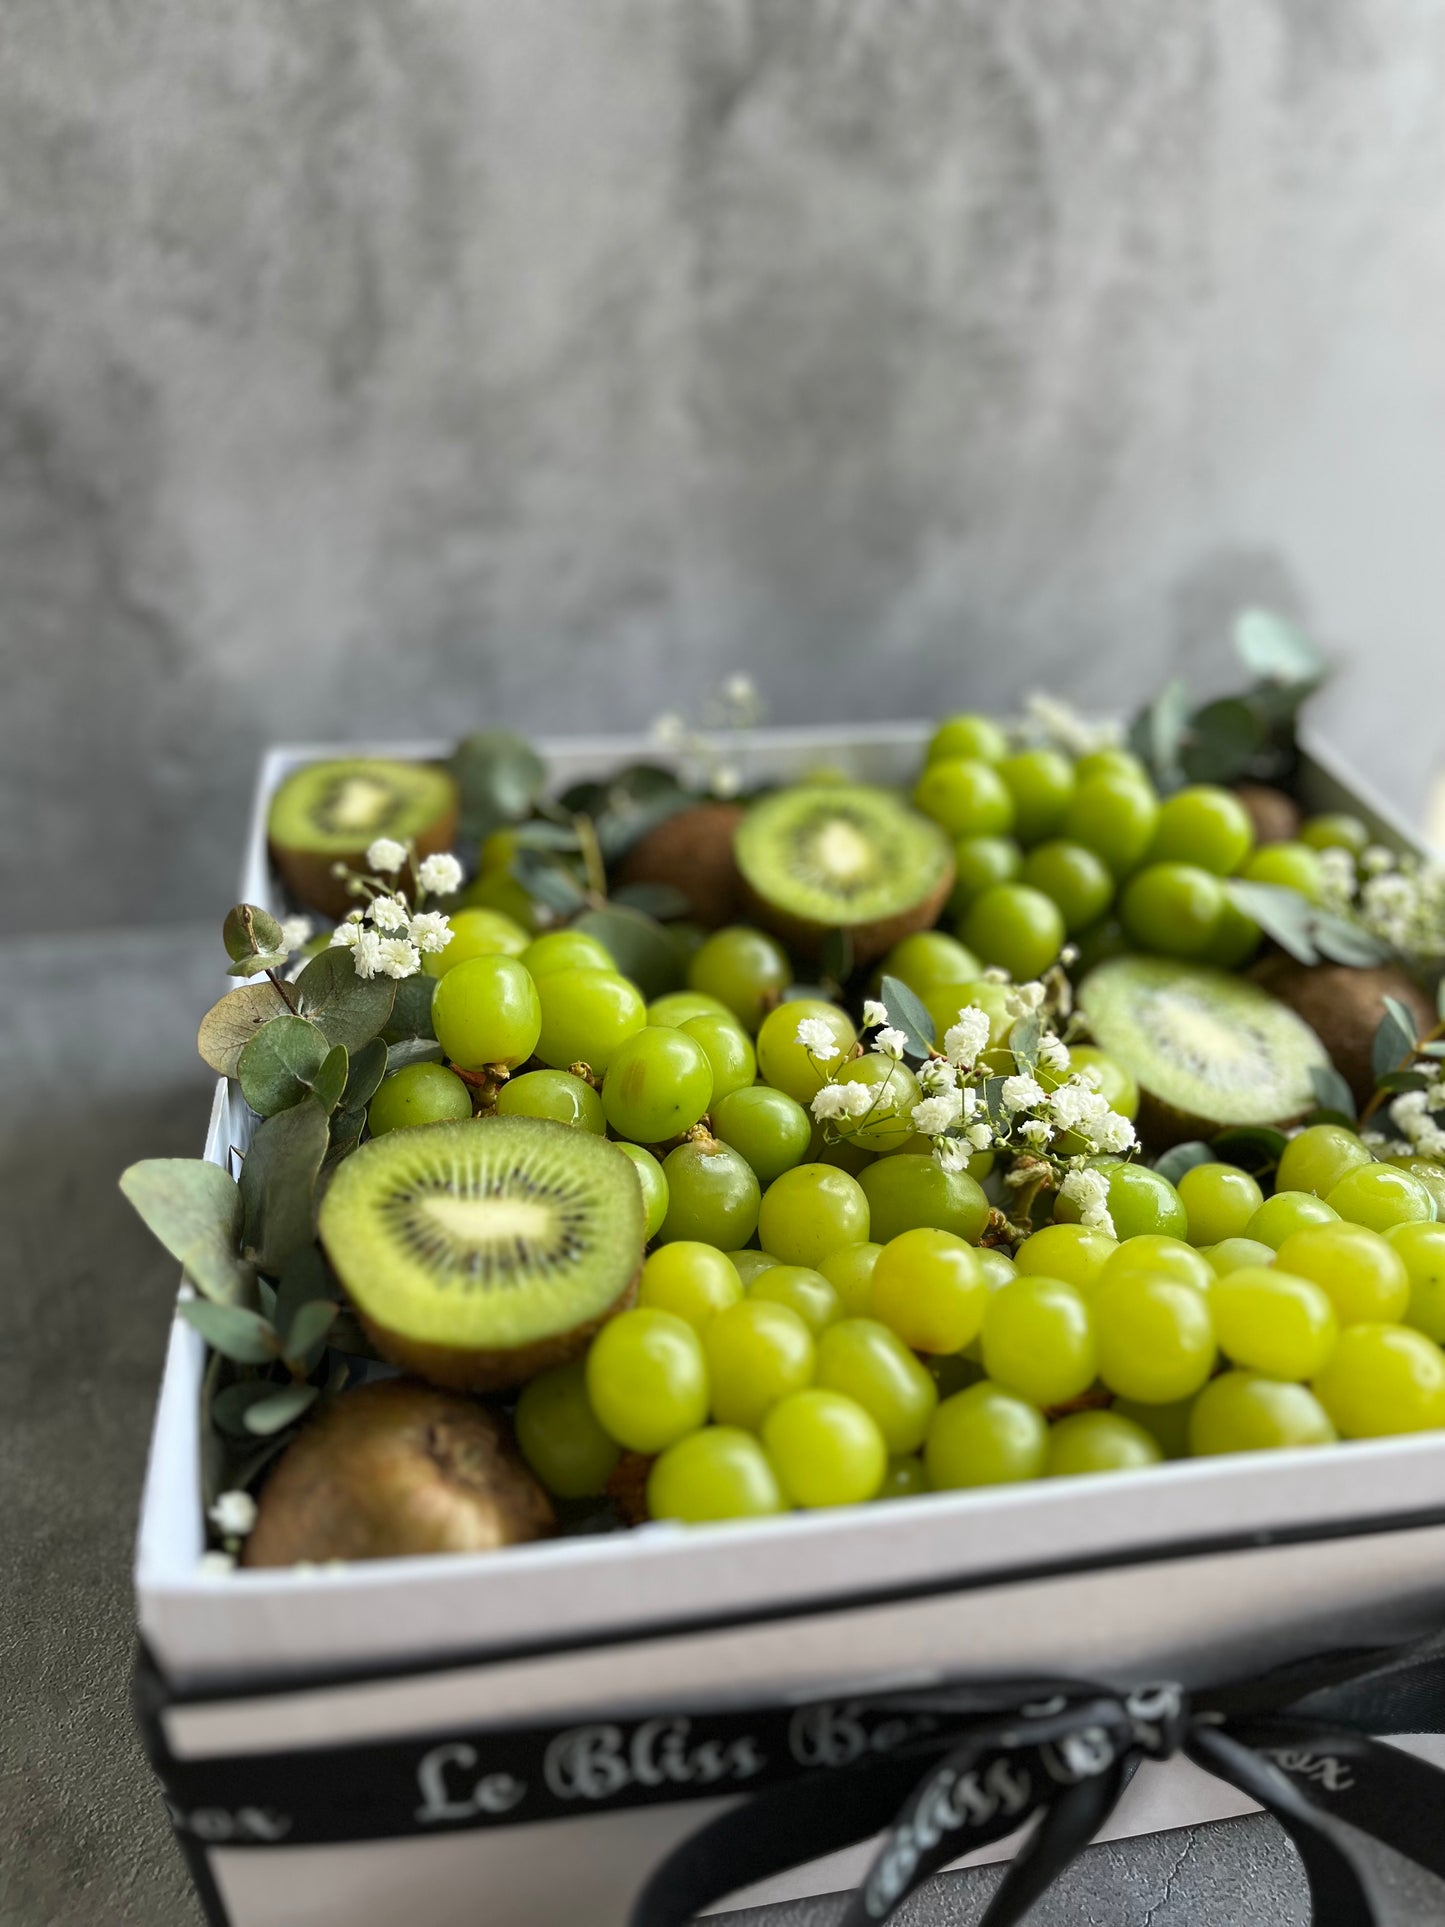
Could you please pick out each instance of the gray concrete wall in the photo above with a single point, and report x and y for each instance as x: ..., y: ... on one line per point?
x: 394, y: 365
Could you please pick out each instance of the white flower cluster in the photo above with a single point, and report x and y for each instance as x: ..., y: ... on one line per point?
x: 233, y: 1514
x: 388, y: 939
x: 734, y: 704
x: 1089, y: 1190
x: 838, y: 1101
x: 1413, y: 1114
x: 817, y: 1039
x: 1400, y: 901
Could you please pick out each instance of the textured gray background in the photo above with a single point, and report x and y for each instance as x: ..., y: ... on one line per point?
x: 383, y: 365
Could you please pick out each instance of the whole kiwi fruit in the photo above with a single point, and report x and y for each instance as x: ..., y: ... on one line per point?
x: 1343, y: 1005
x: 393, y: 1469
x: 1275, y: 816
x: 693, y: 852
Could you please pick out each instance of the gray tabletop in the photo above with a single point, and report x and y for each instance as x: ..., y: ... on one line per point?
x: 96, y: 1069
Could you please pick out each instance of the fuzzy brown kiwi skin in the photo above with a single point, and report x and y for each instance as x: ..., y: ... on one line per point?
x: 394, y: 1469
x: 1343, y: 1006
x: 693, y: 852
x: 491, y: 1371
x: 870, y: 940
x: 1162, y: 1125
x: 307, y: 873
x: 1276, y: 817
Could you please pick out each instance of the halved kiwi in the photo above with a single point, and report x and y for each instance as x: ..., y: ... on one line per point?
x: 329, y: 813
x: 843, y: 857
x: 1207, y: 1049
x: 479, y: 1253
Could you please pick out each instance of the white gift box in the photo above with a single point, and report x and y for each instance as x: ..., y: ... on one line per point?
x: 1194, y: 1570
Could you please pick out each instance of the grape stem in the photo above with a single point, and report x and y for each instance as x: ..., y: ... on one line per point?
x: 1404, y: 1064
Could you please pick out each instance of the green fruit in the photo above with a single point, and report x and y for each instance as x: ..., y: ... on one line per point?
x: 692, y: 1281
x: 1421, y: 1250
x: 1364, y: 1275
x: 500, y: 890
x: 1268, y: 1320
x: 713, y: 1196
x: 825, y: 1449
x: 1172, y: 908
x: 1246, y: 1412
x: 887, y: 1125
x: 801, y: 1289
x: 647, y: 1380
x: 767, y: 1127
x: 1220, y: 1200
x: 654, y: 1185
x: 1088, y: 1442
x: 559, y: 1436
x: 810, y: 1212
x: 1335, y: 832
x: 1109, y: 1076
x: 793, y: 1066
x: 870, y: 1364
x: 729, y: 1051
x: 1067, y: 1251
x: 564, y: 950
x: 1291, y: 866
x: 1016, y: 928
x: 1205, y: 826
x: 965, y: 797
x: 715, y: 1474
x: 477, y: 933
x: 928, y: 959
x: 1285, y: 1213
x: 912, y: 1191
x: 1074, y: 878
x: 984, y: 1436
x: 1041, y: 782
x: 486, y: 1013
x: 1113, y: 815
x: 1382, y: 1196
x: 979, y: 862
x: 757, y: 1353
x: 418, y: 1094
x: 929, y: 1288
x: 1318, y: 1158
x: 968, y: 734
x: 586, y: 1017
x: 745, y: 970
x: 555, y: 1094
x: 1382, y: 1380
x: 1038, y: 1340
x: 1155, y: 1337
x: 679, y: 1007
x: 658, y: 1084
x: 331, y: 812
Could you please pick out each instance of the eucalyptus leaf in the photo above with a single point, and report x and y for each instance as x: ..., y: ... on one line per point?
x: 1394, y: 1039
x: 642, y: 948
x: 661, y: 900
x: 993, y: 1098
x: 229, y: 1026
x: 346, y: 1128
x: 231, y: 1330
x: 304, y: 1278
x: 1396, y: 1081
x: 548, y: 882
x: 906, y: 1012
x: 561, y: 838
x: 1433, y: 1047
x: 1024, y: 1040
x: 194, y: 1208
x: 1183, y: 1157
x: 499, y: 777
x: 367, y: 1067
x: 230, y: 1405
x: 1332, y: 1092
x: 278, y: 1181
x: 836, y: 955
x: 1281, y: 913
x: 351, y: 1010
x: 1274, y: 649
x: 410, y: 1014
x: 268, y: 1415
x: 255, y: 966
x: 249, y: 929
x: 330, y: 1081
x: 1344, y: 942
x: 1404, y: 1017
x: 1224, y: 738
x: 1158, y: 732
x: 413, y: 1050
x: 1255, y: 1147
x: 307, y: 1333
x: 279, y: 1065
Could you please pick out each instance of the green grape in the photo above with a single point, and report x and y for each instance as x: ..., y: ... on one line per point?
x: 1114, y: 816
x: 1155, y: 1337
x: 566, y: 950
x: 929, y: 959
x: 757, y: 1353
x: 497, y: 889
x: 870, y: 1364
x: 1077, y: 880
x: 790, y: 1066
x: 1285, y: 1212
x: 728, y: 1049
x: 556, y: 1094
x: 1097, y: 944
x: 768, y: 1128
x: 717, y: 1473
x: 1232, y: 1253
x: 1203, y: 825
x: 979, y: 862
x: 751, y: 1264
x: 485, y: 1013
x: 888, y: 1123
x: 1172, y: 908
x: 1246, y: 1412
x: 1167, y: 1425
x: 1115, y: 1080
x: 965, y: 797
x: 803, y: 1290
x: 912, y: 1192
x: 1273, y: 1322
x: 1098, y: 1442
x: 497, y: 851
x: 559, y: 1436
x: 1380, y: 1196
x: 904, y: 1479
x: 1430, y: 1174
x: 647, y: 1379
x: 1235, y: 939
x: 1018, y: 929
x: 946, y: 1002
x: 849, y: 1270
x: 997, y: 1267
x: 841, y: 1154
x: 1220, y: 1200
x: 744, y: 969
x: 1066, y: 1251
x: 1115, y: 762
x: 1159, y: 1257
x: 1318, y: 1158
x: 825, y: 1449
x: 810, y: 1211
x: 712, y: 1196
x: 928, y: 1286
x: 1335, y: 831
x: 654, y: 1185
x: 1364, y: 1275
x: 1292, y: 866
x: 1041, y: 782
x: 1141, y: 1201
x: 1037, y: 1340
x: 1421, y: 1249
x: 967, y: 734
x: 418, y: 1094
x: 477, y: 933
x: 1381, y: 1380
x: 681, y: 1006
x: 984, y: 1436
x: 658, y: 1084
x: 587, y: 1016
x: 692, y: 1281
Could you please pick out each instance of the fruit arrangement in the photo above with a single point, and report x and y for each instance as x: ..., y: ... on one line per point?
x: 662, y: 1151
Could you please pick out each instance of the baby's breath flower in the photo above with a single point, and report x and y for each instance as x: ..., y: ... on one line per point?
x: 936, y: 1076
x: 1114, y: 1133
x: 951, y: 1154
x: 1021, y: 1094
x: 858, y: 1099
x: 817, y: 1039
x: 397, y: 957
x: 1053, y: 1052
x: 233, y: 1514
x: 1035, y: 1131
x: 1376, y: 860
x: 1051, y: 718
x: 390, y: 913
x: 385, y: 856
x: 938, y: 1114
x: 366, y: 952
x: 995, y: 975
x: 1024, y: 999
x: 345, y: 934
x: 1097, y: 1218
x: 431, y: 931
x: 294, y: 932
x: 440, y: 874
x: 980, y: 1135
x: 832, y: 1101
x: 890, y: 1043
x: 966, y: 1039
x: 1069, y: 955
x: 874, y: 1013
x: 669, y: 730
x: 725, y: 781
x: 1077, y: 1106
x: 740, y: 689
x: 215, y: 1565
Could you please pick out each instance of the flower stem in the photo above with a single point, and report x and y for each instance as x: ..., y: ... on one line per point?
x: 1404, y: 1064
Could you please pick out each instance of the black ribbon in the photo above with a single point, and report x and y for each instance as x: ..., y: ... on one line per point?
x: 943, y: 1770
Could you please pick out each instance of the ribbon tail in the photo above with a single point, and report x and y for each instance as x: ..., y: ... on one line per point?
x: 1339, y: 1893
x: 1066, y: 1826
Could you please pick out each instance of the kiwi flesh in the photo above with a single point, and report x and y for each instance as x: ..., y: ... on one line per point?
x: 328, y: 813
x: 693, y: 852
x: 1208, y: 1050
x: 394, y: 1469
x: 845, y: 856
x: 1343, y: 1005
x: 479, y: 1253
